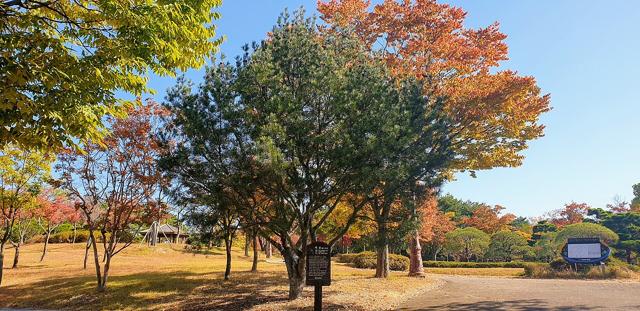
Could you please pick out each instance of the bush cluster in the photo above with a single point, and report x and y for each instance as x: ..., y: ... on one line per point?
x: 458, y: 264
x: 347, y: 258
x: 614, y: 269
x: 66, y: 237
x: 367, y: 260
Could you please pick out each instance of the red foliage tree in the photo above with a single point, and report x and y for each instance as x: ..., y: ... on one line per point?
x: 54, y: 208
x: 620, y: 206
x: 23, y: 229
x: 116, y: 184
x: 572, y: 213
x: 488, y: 219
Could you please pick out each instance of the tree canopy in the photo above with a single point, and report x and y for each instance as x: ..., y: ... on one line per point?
x: 61, y: 62
x: 465, y: 243
x: 505, y: 245
x: 494, y: 112
x: 586, y: 230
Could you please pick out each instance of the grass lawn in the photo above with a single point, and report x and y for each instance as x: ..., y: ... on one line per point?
x: 167, y: 277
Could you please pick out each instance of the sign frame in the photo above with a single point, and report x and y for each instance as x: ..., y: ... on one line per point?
x: 318, y: 253
x: 318, y: 270
x: 605, y: 251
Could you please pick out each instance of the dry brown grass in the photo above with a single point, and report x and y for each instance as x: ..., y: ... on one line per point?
x: 168, y: 278
x: 502, y: 272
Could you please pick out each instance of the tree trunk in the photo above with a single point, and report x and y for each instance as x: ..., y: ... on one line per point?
x: 96, y: 260
x: 1, y: 261
x: 16, y: 256
x: 382, y: 252
x: 267, y: 249
x: 177, y: 240
x: 105, y: 274
x: 296, y: 273
x: 247, y: 243
x: 153, y: 239
x: 73, y: 241
x: 628, y: 252
x: 227, y: 247
x: 415, y: 256
x: 86, y: 252
x: 46, y: 243
x: 254, y: 266
x: 382, y: 261
x: 435, y: 253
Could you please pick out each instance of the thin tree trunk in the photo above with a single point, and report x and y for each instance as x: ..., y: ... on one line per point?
x: 177, y: 240
x: 296, y: 272
x: 16, y: 256
x: 382, y: 252
x: 46, y: 243
x: 73, y: 241
x: 267, y: 249
x: 1, y: 261
x: 96, y: 260
x: 254, y: 266
x: 105, y: 274
x: 415, y: 256
x: 247, y: 243
x: 227, y: 247
x: 86, y: 252
x: 153, y: 239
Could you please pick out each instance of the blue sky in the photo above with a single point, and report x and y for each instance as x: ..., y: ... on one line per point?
x: 585, y: 54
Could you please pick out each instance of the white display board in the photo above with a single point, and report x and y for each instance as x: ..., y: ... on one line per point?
x: 591, y: 250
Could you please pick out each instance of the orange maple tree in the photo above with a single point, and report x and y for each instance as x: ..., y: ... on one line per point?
x: 494, y: 112
x: 572, y: 213
x: 434, y: 225
x: 488, y: 219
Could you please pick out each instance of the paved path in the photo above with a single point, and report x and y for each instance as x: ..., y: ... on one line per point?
x: 488, y: 293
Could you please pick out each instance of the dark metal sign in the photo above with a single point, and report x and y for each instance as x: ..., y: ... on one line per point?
x: 318, y: 264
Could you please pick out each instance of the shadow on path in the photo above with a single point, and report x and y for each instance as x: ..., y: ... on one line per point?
x: 514, y: 305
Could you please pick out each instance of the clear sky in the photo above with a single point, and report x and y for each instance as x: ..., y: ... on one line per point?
x: 584, y: 53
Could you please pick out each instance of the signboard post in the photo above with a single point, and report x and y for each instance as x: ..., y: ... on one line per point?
x: 318, y: 270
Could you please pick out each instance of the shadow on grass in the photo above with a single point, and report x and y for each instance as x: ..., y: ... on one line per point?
x: 180, y: 290
x: 515, y: 305
x: 202, y: 251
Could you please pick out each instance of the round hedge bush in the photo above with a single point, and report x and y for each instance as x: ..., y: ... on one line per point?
x: 367, y: 260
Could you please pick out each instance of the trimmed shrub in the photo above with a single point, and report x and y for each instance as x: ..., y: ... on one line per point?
x: 61, y: 237
x: 64, y: 237
x: 458, y: 264
x: 81, y: 236
x: 398, y: 262
x: 347, y: 258
x: 367, y: 260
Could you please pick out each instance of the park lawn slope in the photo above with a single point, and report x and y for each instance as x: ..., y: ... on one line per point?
x: 167, y: 277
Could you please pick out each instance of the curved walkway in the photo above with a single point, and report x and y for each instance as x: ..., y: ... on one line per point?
x: 489, y: 293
